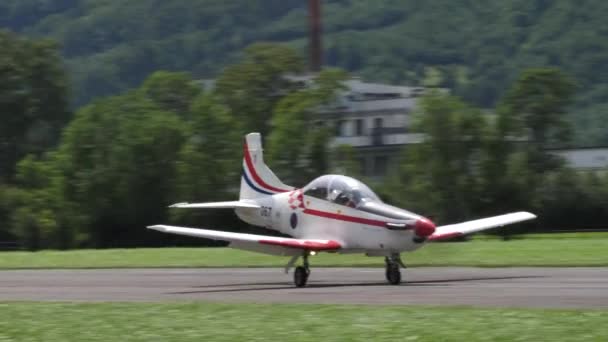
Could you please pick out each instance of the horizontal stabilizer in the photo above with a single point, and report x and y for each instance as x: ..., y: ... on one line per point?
x: 271, y: 241
x: 217, y: 205
x: 459, y: 229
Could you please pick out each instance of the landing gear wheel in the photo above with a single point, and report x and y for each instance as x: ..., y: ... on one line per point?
x: 393, y: 274
x: 300, y: 276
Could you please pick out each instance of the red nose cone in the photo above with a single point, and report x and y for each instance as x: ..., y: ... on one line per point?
x: 424, y: 227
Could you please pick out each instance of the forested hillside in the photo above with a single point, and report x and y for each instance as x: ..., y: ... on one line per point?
x: 95, y: 177
x: 476, y: 48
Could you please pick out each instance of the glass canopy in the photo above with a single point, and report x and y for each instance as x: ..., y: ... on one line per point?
x: 341, y: 190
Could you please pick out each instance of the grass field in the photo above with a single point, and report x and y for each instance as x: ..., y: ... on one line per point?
x: 546, y: 236
x: 545, y: 251
x: 253, y: 322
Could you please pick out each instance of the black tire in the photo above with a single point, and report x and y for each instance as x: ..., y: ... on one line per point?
x: 393, y: 274
x: 300, y: 276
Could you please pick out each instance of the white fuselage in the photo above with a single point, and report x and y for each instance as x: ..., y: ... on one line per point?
x: 305, y: 217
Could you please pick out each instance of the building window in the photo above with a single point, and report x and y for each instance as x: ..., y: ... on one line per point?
x: 359, y: 127
x: 378, y: 123
x: 341, y: 128
x: 377, y: 138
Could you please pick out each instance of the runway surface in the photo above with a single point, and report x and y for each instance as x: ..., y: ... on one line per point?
x: 505, y: 287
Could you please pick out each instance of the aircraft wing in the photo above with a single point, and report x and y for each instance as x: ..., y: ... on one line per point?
x: 258, y: 243
x: 218, y: 205
x: 459, y: 229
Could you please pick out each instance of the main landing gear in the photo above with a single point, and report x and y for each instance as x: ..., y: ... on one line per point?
x: 393, y: 263
x: 301, y: 273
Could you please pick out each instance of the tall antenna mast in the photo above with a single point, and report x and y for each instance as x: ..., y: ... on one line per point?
x: 315, y: 49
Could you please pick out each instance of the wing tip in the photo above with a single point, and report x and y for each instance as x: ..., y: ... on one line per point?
x: 158, y: 227
x: 217, y: 205
x: 526, y: 215
x: 444, y: 236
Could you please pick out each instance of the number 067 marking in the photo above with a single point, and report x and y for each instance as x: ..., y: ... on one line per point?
x: 266, y: 211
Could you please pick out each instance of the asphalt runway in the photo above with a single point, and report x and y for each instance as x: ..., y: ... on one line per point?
x: 489, y: 287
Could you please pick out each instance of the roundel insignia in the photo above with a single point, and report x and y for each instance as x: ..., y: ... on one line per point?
x: 293, y: 220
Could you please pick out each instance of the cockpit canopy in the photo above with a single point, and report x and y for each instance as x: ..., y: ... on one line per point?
x: 341, y: 190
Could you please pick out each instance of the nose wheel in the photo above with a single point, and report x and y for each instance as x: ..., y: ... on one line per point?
x: 300, y: 276
x: 393, y: 273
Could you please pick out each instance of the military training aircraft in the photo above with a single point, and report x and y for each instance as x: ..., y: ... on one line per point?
x: 333, y: 213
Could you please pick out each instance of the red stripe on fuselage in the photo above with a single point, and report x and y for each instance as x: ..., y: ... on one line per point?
x: 254, y: 174
x: 346, y: 218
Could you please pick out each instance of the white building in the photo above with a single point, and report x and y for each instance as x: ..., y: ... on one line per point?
x: 585, y: 159
x: 375, y: 119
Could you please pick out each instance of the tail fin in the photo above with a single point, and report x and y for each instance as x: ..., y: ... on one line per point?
x: 257, y: 180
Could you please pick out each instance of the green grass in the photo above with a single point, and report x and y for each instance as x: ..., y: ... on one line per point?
x: 253, y: 322
x: 549, y: 236
x: 485, y: 253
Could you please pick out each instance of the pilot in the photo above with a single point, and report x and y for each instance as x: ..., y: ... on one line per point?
x: 342, y: 197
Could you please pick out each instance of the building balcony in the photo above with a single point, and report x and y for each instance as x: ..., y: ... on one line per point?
x: 379, y: 139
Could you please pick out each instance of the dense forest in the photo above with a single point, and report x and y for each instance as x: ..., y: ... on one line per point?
x: 103, y: 120
x: 474, y: 48
x: 97, y: 177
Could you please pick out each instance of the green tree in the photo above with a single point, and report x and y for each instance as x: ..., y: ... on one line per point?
x: 288, y: 141
x: 115, y: 166
x: 344, y: 161
x: 535, y: 108
x: 173, y: 91
x: 440, y: 176
x: 212, y: 153
x: 531, y: 118
x: 33, y: 99
x: 120, y: 162
x: 515, y: 159
x: 253, y: 87
x: 33, y: 219
x: 209, y: 163
x: 298, y: 142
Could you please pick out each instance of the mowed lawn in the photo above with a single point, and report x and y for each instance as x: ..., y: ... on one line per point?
x: 253, y: 322
x: 552, y: 250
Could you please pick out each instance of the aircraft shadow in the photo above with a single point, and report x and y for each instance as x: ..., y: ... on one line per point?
x: 244, y: 287
x: 439, y: 281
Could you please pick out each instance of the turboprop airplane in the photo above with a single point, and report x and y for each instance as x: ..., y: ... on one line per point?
x: 333, y: 213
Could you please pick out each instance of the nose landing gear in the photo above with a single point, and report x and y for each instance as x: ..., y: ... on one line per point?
x: 393, y: 273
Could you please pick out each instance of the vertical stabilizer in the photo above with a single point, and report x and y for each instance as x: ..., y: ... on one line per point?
x: 258, y: 180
